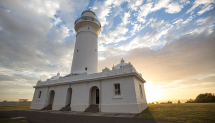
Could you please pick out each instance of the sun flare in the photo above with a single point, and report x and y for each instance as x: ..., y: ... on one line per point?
x: 152, y: 92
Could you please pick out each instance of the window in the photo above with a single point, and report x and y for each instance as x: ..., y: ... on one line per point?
x: 40, y: 93
x: 117, y: 89
x: 141, y: 92
x: 85, y: 68
x: 77, y: 50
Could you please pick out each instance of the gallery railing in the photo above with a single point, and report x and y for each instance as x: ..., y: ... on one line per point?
x: 88, y: 18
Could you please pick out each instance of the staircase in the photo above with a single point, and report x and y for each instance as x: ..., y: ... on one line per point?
x: 66, y: 108
x: 48, y: 107
x: 92, y: 108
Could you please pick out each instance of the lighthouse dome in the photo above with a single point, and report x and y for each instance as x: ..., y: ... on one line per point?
x: 88, y: 13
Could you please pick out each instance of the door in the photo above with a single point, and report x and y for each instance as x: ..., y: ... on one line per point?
x: 97, y: 96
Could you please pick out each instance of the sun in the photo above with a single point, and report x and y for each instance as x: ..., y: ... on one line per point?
x: 152, y: 92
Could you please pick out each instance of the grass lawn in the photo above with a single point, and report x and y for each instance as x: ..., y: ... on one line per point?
x: 7, y: 120
x: 14, y: 108
x: 187, y: 112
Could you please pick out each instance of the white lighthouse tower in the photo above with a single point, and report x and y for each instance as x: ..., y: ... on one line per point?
x: 85, y: 57
x: 120, y: 90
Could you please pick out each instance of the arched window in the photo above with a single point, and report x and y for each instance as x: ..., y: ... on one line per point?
x: 85, y: 68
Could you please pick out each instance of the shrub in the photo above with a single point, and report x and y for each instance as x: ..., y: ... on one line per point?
x: 169, y: 102
x: 179, y: 101
x: 190, y: 101
x: 205, y: 98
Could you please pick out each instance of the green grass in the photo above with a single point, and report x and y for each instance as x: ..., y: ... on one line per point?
x: 7, y: 120
x: 14, y: 108
x: 188, y: 112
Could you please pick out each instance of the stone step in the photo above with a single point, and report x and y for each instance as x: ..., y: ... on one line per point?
x: 49, y: 107
x: 92, y: 108
x: 65, y: 109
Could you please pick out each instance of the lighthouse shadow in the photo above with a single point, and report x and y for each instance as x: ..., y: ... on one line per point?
x: 146, y: 114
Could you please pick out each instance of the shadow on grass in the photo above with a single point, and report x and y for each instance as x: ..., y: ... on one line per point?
x: 146, y: 114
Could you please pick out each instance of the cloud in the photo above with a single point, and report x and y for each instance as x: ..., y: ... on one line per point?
x: 134, y: 4
x: 198, y: 3
x: 125, y: 19
x: 104, y: 9
x: 173, y: 7
x: 188, y: 20
x: 170, y: 7
x: 207, y: 7
x: 144, y: 10
x: 5, y: 77
x: 178, y: 60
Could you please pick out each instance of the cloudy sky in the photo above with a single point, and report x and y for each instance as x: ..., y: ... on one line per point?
x: 171, y: 42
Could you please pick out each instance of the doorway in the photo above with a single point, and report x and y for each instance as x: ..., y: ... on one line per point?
x: 94, y: 95
x: 69, y: 97
x: 51, y: 97
x: 97, y: 96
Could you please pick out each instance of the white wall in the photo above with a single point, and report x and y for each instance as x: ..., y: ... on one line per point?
x: 128, y: 102
x: 142, y: 104
x: 87, y: 55
x: 39, y: 103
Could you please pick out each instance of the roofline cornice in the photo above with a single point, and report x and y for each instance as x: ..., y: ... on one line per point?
x: 94, y: 79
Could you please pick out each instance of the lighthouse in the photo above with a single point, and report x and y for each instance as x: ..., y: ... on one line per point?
x: 120, y: 90
x: 85, y: 57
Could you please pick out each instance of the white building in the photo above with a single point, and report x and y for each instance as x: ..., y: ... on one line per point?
x: 118, y: 90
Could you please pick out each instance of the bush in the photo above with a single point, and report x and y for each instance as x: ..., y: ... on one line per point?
x: 179, y: 101
x: 190, y: 101
x: 169, y: 102
x: 205, y: 98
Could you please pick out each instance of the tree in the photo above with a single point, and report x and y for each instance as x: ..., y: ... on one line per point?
x: 190, y: 101
x: 205, y: 98
x: 179, y: 101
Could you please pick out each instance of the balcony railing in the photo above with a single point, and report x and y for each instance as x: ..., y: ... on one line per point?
x: 87, y: 18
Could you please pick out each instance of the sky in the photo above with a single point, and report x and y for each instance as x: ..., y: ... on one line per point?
x: 170, y: 42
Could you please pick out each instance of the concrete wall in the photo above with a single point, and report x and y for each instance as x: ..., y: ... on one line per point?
x: 128, y: 102
x: 141, y: 99
x: 87, y: 55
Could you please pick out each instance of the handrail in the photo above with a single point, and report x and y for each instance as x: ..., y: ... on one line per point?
x: 88, y: 18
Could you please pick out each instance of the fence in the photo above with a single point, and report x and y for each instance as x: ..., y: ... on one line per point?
x: 4, y: 104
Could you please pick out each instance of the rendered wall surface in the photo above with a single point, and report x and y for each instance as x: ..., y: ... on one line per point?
x: 85, y: 53
x: 141, y: 100
x: 127, y: 102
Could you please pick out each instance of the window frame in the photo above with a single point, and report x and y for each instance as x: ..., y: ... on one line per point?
x: 141, y: 90
x: 119, y: 90
x: 40, y: 94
